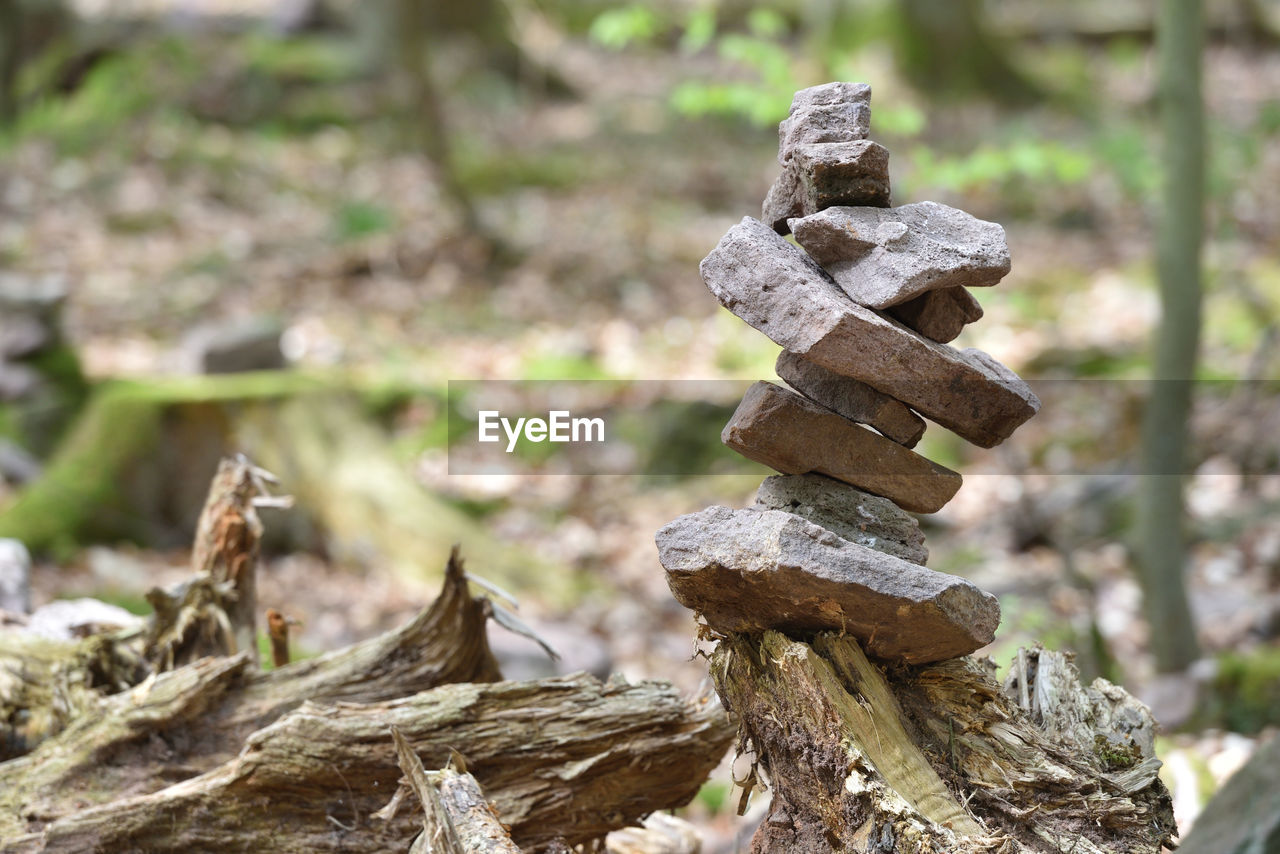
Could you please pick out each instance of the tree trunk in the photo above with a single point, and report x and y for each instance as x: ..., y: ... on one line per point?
x: 1161, y: 548
x: 1244, y: 816
x: 940, y: 758
x: 11, y: 20
x: 945, y: 48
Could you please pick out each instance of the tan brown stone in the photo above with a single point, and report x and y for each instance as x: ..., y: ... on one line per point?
x: 854, y: 400
x: 782, y: 430
x: 938, y: 315
x: 779, y: 290
x: 821, y: 175
x: 857, y: 516
x: 881, y: 256
x: 752, y: 570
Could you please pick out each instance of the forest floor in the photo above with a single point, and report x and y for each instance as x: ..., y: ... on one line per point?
x: 604, y: 203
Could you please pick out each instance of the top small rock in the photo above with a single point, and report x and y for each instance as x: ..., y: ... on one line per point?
x: 832, y: 112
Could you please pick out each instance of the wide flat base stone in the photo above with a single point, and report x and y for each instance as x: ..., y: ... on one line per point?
x: 881, y: 257
x: 821, y: 175
x: 854, y: 400
x: 776, y: 288
x: 938, y: 315
x: 792, y: 435
x: 847, y: 511
x: 752, y: 570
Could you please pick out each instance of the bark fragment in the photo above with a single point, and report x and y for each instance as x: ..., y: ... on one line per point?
x: 457, y: 819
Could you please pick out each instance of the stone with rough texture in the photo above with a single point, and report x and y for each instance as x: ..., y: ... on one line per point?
x: 779, y: 290
x: 753, y: 570
x: 790, y: 434
x: 832, y: 112
x: 938, y: 315
x: 885, y: 256
x: 857, y: 516
x: 821, y: 175
x: 854, y: 400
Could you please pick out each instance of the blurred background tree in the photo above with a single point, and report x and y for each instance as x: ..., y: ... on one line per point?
x: 1162, y: 548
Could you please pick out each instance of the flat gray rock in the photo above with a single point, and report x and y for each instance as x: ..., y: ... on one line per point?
x: 66, y: 619
x: 751, y: 570
x: 854, y: 400
x: 776, y: 288
x: 236, y: 346
x: 885, y: 256
x: 938, y: 315
x: 821, y: 175
x: 832, y: 112
x: 854, y: 515
x: 15, y: 577
x: 780, y: 429
x: 21, y: 336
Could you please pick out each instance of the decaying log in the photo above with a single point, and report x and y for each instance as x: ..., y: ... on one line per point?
x: 456, y: 817
x: 564, y: 757
x: 46, y: 684
x: 939, y: 758
x: 207, y: 752
x: 446, y: 643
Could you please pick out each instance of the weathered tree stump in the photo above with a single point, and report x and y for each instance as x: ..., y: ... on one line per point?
x: 940, y: 758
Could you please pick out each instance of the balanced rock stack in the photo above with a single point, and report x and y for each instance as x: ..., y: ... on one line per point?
x: 864, y: 308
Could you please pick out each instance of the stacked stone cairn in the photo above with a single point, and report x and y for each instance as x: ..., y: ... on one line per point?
x: 864, y: 309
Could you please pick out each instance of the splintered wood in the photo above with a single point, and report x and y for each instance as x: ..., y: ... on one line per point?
x: 207, y: 752
x: 939, y: 758
x: 215, y: 612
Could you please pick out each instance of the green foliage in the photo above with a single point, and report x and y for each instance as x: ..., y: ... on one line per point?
x: 1116, y: 755
x: 1044, y: 163
x: 699, y: 29
x: 484, y: 171
x: 78, y: 499
x: 714, y: 796
x: 624, y: 26
x: 1246, y: 691
x: 762, y: 102
x: 134, y: 603
x: 354, y: 220
x: 306, y: 59
x: 741, y: 352
x: 120, y: 89
x: 1126, y: 149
